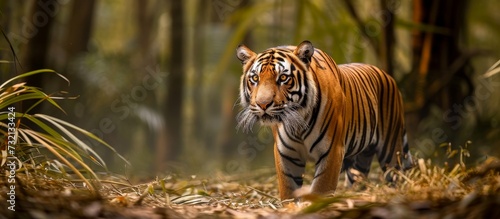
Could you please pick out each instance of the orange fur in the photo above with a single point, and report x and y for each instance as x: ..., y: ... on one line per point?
x: 349, y: 113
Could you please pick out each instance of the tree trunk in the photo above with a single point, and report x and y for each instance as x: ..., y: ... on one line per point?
x: 388, y: 37
x: 175, y: 87
x: 440, y: 65
x: 75, y: 42
x: 199, y: 62
x: 145, y: 22
x: 12, y: 30
x: 40, y: 19
x: 79, y: 29
x: 440, y: 69
x: 146, y: 16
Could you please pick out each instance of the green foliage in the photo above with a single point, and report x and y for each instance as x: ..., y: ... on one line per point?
x: 44, y: 144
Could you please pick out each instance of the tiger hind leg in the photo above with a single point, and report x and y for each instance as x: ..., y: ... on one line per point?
x: 358, y: 167
x: 395, y: 158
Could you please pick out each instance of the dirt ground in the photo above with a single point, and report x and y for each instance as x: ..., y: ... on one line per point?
x: 426, y: 192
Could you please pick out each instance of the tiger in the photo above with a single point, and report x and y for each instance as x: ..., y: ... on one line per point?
x: 336, y: 116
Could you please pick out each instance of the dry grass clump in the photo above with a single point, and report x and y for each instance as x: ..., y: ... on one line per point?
x: 426, y: 191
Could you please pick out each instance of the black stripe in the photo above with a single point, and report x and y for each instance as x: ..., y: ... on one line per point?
x: 301, y: 81
x: 244, y: 85
x: 291, y: 83
x: 295, y: 92
x: 297, y: 179
x: 281, y: 64
x: 292, y: 160
x: 324, y: 129
x: 285, y: 144
x: 316, y: 109
x: 312, y: 120
x: 317, y: 174
x: 292, y: 136
x: 324, y: 154
x: 330, y: 62
x: 406, y: 147
x: 388, y: 149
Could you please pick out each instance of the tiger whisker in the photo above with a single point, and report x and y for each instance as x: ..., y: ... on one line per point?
x: 246, y: 119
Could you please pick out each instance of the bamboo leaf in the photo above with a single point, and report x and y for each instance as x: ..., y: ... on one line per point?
x: 494, y: 69
x: 77, y: 141
x: 56, y: 150
x: 86, y: 133
x: 422, y: 27
x: 32, y: 73
x: 46, y: 143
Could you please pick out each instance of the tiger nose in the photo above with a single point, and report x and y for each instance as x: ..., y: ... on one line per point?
x: 265, y: 104
x: 264, y: 98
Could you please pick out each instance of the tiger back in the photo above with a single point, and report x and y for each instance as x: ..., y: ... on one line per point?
x: 337, y: 116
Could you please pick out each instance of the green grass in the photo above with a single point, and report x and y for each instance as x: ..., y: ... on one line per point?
x: 42, y: 144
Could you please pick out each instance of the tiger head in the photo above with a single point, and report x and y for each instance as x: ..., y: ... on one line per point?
x: 276, y: 86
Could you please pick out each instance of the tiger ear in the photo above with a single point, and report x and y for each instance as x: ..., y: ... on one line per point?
x: 304, y: 51
x: 244, y: 53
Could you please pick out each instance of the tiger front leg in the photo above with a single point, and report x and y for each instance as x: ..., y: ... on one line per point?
x: 289, y: 170
x: 327, y: 170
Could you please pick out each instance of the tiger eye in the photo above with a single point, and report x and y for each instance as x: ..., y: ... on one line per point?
x: 283, y: 77
x: 255, y: 78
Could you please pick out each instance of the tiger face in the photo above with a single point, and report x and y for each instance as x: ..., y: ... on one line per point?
x: 275, y: 86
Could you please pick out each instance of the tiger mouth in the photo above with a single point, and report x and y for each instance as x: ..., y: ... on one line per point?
x: 277, y: 114
x: 266, y: 118
x: 289, y: 115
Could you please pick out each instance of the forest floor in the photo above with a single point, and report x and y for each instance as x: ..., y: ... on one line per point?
x: 426, y: 191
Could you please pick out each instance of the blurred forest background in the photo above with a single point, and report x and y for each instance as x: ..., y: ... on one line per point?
x: 158, y: 79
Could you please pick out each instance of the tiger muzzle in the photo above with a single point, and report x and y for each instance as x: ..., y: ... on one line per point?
x: 264, y: 99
